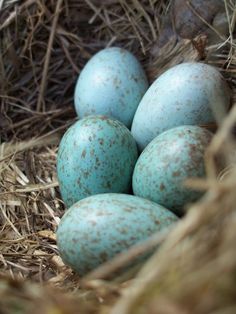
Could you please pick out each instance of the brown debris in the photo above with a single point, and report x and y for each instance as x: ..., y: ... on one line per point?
x: 186, y: 16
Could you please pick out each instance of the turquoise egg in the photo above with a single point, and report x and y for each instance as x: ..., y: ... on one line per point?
x: 96, y: 155
x: 97, y: 228
x: 112, y: 83
x: 164, y: 165
x: 187, y: 94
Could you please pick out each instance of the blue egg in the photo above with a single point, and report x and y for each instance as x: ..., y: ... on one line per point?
x: 112, y: 83
x: 96, y: 155
x: 97, y: 228
x: 187, y: 94
x: 164, y: 165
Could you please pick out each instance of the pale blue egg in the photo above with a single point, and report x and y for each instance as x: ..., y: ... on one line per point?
x: 96, y: 155
x: 97, y: 228
x: 164, y: 165
x: 187, y: 94
x: 112, y: 83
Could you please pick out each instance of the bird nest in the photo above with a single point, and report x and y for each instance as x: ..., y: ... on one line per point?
x: 44, y: 45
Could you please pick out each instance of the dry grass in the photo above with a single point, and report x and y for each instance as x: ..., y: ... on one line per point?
x: 43, y: 46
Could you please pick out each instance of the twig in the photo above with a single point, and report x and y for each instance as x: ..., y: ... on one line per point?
x: 14, y: 14
x: 33, y: 188
x: 231, y: 27
x: 48, y: 55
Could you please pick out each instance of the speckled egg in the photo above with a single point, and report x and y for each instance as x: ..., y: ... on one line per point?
x: 97, y: 228
x: 187, y: 94
x: 112, y: 83
x: 96, y: 155
x: 171, y: 158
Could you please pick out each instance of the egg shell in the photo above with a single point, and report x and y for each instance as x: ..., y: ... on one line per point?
x: 97, y: 228
x: 112, y: 83
x: 96, y: 155
x: 164, y: 165
x: 187, y: 94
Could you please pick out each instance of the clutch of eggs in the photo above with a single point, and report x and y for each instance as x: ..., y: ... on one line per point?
x: 98, y: 154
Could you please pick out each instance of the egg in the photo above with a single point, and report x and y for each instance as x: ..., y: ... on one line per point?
x: 97, y: 228
x: 187, y: 94
x: 96, y: 155
x: 164, y: 165
x: 112, y: 83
